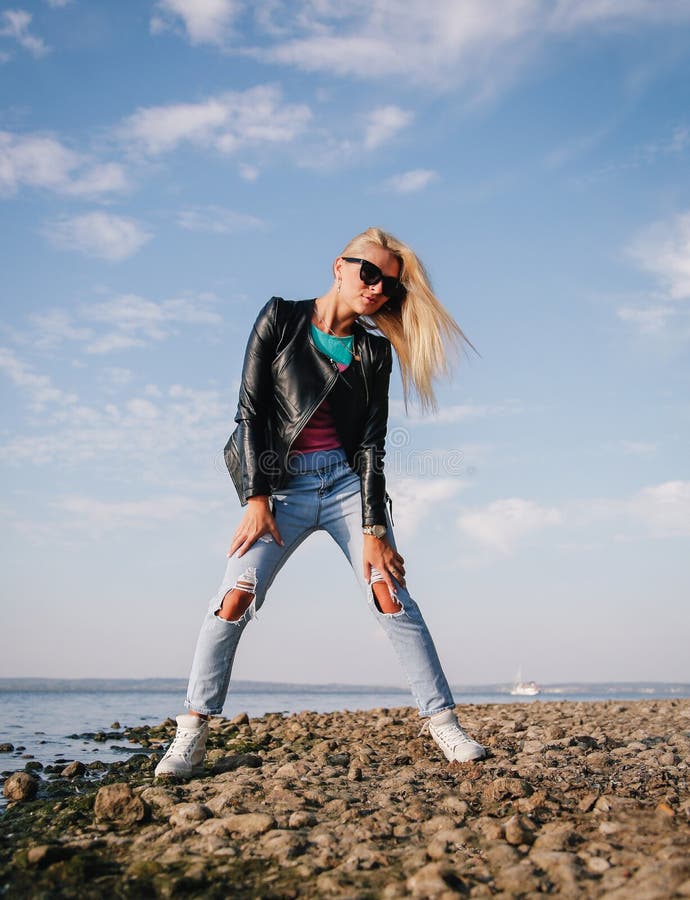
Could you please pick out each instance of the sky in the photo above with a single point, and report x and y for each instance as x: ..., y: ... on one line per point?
x: 166, y: 166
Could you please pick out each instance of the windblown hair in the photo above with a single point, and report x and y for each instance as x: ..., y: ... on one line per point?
x: 420, y: 328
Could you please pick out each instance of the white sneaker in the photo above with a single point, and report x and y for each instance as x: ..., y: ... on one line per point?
x: 185, y: 756
x: 456, y: 745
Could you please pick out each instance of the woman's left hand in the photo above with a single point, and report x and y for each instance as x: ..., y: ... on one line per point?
x: 379, y: 554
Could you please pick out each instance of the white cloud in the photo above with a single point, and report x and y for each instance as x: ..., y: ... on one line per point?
x: 118, y: 323
x: 40, y: 389
x: 113, y: 342
x: 384, y: 123
x: 14, y: 23
x: 504, y: 523
x: 41, y: 161
x: 648, y: 319
x: 205, y: 21
x: 229, y: 122
x: 418, y: 499
x: 141, y: 408
x: 136, y: 321
x: 660, y: 511
x: 639, y: 448
x: 131, y: 313
x: 570, y: 15
x: 664, y: 250
x: 248, y: 172
x: 98, y: 234
x: 217, y: 220
x: 54, y: 326
x: 34, y: 160
x: 445, y: 43
x: 576, y: 147
x: 409, y: 182
x: 116, y: 377
x: 149, y: 428
x: 678, y: 143
x: 106, y: 178
x: 104, y: 515
x: 664, y: 509
x: 451, y: 414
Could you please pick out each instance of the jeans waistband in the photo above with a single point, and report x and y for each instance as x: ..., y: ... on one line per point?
x: 316, y: 461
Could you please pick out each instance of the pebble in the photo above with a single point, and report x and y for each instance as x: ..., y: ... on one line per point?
x: 581, y: 800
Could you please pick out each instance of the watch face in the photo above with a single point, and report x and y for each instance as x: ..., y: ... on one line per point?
x: 379, y: 530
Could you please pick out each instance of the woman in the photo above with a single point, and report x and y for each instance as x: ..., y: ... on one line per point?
x: 307, y: 455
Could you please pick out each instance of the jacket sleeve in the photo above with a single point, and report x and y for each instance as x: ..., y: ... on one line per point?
x: 253, y: 408
x: 373, y: 445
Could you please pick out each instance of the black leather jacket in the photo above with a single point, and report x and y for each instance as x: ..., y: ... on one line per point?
x: 284, y: 379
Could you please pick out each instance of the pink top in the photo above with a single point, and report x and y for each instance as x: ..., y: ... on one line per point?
x: 319, y: 433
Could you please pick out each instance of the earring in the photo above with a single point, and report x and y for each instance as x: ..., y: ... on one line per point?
x: 340, y: 281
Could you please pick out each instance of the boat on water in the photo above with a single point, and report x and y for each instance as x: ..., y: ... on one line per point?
x: 524, y: 688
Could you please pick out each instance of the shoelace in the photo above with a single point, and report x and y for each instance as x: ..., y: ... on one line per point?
x: 184, y: 742
x: 450, y: 732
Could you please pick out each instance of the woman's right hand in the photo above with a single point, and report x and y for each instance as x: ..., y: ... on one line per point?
x: 256, y: 522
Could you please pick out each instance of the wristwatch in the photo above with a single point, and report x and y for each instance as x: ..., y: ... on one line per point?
x: 378, y: 531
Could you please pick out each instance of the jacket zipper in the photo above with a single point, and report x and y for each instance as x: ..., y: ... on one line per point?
x: 364, y: 379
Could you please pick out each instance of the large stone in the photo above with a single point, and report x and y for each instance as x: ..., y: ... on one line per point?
x: 159, y: 799
x: 506, y: 788
x: 301, y: 818
x: 562, y: 868
x: 438, y: 823
x: 240, y: 719
x: 249, y: 824
x: 185, y: 815
x: 517, y: 879
x: 282, y: 845
x: 519, y: 830
x: 73, y: 770
x: 118, y: 805
x: 556, y: 836
x: 433, y: 880
x: 20, y: 786
x: 295, y: 769
x: 455, y: 806
x: 46, y: 854
x: 236, y: 761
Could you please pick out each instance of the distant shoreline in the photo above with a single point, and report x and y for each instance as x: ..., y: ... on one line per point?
x: 175, y: 685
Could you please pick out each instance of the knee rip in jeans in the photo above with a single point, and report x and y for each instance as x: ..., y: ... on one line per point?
x: 240, y: 600
x: 385, y: 602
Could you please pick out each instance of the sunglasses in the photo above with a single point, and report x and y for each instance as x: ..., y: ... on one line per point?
x: 370, y: 274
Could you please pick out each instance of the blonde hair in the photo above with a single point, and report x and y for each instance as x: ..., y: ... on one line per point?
x: 420, y: 328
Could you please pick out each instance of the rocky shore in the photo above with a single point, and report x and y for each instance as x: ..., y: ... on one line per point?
x: 575, y: 800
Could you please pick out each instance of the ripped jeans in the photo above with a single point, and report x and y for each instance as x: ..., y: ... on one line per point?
x: 324, y: 495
